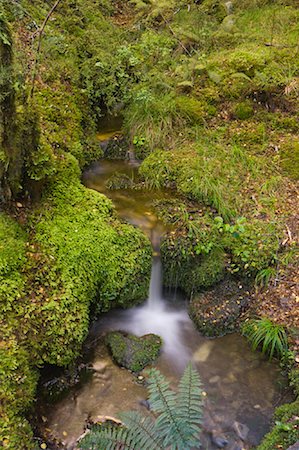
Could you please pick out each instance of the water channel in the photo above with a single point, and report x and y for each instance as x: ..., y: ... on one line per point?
x: 240, y: 386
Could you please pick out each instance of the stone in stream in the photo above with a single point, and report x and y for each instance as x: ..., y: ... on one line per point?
x: 218, y: 440
x: 216, y: 311
x: 241, y: 430
x: 295, y: 446
x: 132, y: 352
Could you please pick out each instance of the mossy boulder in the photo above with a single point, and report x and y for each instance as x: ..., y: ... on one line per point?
x: 119, y: 181
x: 216, y: 312
x: 209, y: 270
x: 285, y: 432
x: 132, y: 352
x: 185, y: 265
x: 116, y: 148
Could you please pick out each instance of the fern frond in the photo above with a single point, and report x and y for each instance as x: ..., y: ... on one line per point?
x: 143, y: 430
x: 108, y: 438
x: 189, y: 399
x: 177, y: 433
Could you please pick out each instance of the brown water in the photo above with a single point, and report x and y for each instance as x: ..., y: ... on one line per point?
x: 239, y: 385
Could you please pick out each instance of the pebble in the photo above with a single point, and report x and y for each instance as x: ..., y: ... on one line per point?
x: 214, y: 379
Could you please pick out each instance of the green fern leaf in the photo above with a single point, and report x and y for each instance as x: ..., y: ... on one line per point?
x: 142, y: 430
x: 108, y: 438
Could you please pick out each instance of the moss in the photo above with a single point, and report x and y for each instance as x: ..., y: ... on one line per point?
x: 256, y: 248
x: 289, y: 155
x: 191, y: 263
x: 119, y: 181
x: 243, y: 111
x: 17, y: 377
x: 95, y: 258
x: 286, y: 429
x: 133, y: 353
x: 80, y: 256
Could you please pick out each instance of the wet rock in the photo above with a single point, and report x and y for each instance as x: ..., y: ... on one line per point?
x: 145, y: 403
x: 236, y: 446
x: 214, y: 379
x: 203, y: 352
x: 295, y: 446
x: 58, y: 387
x: 119, y: 181
x: 216, y: 311
x: 132, y: 352
x: 218, y: 440
x: 116, y: 148
x: 241, y: 430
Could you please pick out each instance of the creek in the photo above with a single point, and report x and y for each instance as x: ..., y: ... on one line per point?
x: 240, y: 386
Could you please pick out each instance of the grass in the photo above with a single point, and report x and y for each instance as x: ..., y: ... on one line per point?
x: 264, y: 334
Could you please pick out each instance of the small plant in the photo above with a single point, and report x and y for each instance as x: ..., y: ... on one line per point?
x: 264, y: 277
x: 176, y: 426
x: 270, y: 336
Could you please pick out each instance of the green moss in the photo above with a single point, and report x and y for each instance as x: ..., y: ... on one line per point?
x: 204, y: 273
x: 243, y: 111
x: 286, y: 429
x: 80, y: 256
x: 192, y: 262
x: 95, y: 259
x: 17, y: 377
x: 133, y: 352
x: 256, y: 248
x: 289, y: 155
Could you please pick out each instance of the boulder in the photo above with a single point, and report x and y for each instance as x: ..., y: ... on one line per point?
x: 216, y: 311
x: 132, y: 352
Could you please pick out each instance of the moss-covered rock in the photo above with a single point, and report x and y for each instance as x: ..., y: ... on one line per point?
x: 119, y: 181
x: 132, y: 352
x: 192, y: 262
x: 78, y: 256
x: 204, y: 273
x: 116, y: 148
x: 216, y: 312
x: 286, y: 429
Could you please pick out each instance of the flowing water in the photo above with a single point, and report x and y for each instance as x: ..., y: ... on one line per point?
x: 239, y: 385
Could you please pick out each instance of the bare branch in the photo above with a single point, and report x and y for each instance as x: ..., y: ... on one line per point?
x: 40, y: 35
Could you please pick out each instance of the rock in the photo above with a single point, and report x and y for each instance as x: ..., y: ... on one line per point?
x: 214, y: 379
x: 116, y: 148
x: 145, y: 403
x: 58, y: 387
x: 132, y: 352
x: 216, y: 312
x: 202, y: 354
x: 229, y: 7
x: 100, y: 366
x: 294, y: 447
x: 236, y: 446
x: 218, y: 440
x: 241, y: 430
x: 119, y: 181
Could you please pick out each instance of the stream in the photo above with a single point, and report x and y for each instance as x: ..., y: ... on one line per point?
x: 241, y: 387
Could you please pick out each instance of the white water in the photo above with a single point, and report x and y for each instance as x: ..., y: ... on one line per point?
x: 158, y: 316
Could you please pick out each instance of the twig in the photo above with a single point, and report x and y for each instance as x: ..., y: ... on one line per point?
x: 174, y: 34
x: 40, y: 35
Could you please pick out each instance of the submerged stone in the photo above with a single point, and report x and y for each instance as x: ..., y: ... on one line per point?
x: 132, y: 352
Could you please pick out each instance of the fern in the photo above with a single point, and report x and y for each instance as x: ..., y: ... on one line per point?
x: 176, y: 426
